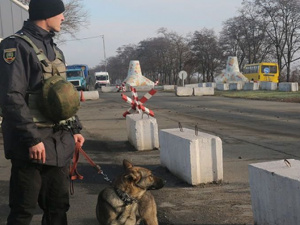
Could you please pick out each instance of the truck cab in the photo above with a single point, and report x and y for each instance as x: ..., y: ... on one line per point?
x: 102, y: 79
x: 77, y: 75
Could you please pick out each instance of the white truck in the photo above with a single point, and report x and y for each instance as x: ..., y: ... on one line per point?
x: 102, y: 79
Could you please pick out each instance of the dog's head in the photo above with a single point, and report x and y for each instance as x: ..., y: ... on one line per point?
x: 142, y: 177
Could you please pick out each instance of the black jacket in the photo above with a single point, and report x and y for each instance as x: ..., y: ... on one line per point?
x: 23, y: 73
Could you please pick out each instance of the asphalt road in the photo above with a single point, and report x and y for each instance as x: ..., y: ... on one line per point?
x: 251, y: 131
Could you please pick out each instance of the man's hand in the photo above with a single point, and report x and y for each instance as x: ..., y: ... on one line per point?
x: 79, y: 139
x: 38, y: 152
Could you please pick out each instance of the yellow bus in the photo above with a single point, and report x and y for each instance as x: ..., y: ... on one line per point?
x: 264, y: 71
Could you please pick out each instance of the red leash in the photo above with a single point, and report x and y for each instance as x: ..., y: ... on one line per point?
x: 74, y: 175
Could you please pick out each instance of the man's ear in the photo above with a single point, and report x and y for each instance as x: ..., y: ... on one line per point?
x: 127, y: 164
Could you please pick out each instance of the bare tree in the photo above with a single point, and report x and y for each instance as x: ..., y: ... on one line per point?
x: 161, y: 58
x: 283, y: 19
x: 246, y: 37
x: 164, y: 56
x: 76, y: 17
x: 177, y: 54
x: 152, y: 54
x: 230, y: 40
x: 206, y: 52
x: 117, y: 66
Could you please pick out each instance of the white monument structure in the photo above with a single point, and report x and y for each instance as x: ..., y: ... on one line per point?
x: 134, y: 77
x: 232, y: 72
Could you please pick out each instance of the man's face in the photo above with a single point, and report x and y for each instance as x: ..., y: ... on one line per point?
x: 54, y: 23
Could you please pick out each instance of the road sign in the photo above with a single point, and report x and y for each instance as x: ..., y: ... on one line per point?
x: 182, y: 75
x: 267, y: 70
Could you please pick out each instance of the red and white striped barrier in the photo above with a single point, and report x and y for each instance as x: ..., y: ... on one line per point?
x: 135, y: 99
x: 122, y: 87
x: 147, y: 96
x: 136, y: 104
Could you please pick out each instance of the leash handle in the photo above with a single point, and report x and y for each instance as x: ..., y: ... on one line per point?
x: 73, y: 169
x: 91, y: 162
x: 74, y: 175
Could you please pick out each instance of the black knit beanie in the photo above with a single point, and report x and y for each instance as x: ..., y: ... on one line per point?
x: 44, y: 9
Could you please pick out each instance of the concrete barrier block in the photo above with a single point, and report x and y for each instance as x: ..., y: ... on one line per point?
x: 222, y: 86
x: 288, y: 86
x: 106, y: 89
x: 191, y: 85
x: 196, y: 85
x: 194, y: 158
x: 89, y: 95
x: 169, y: 87
x: 266, y: 85
x: 142, y: 133
x: 184, y: 91
x: 275, y: 194
x: 211, y: 84
x: 236, y: 86
x: 143, y: 88
x: 251, y: 86
x: 200, y: 91
x: 159, y: 88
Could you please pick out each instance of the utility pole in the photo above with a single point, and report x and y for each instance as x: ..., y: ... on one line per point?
x: 105, y: 62
x: 102, y: 36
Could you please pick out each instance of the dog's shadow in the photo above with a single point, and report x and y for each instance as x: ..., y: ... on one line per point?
x: 97, y: 181
x: 107, y: 149
x: 111, y: 171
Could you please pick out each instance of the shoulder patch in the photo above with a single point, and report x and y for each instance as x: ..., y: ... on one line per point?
x: 9, y: 55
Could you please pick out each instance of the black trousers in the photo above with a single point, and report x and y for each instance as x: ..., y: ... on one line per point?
x: 32, y: 184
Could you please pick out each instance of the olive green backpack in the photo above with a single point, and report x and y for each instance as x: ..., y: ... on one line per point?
x: 59, y: 99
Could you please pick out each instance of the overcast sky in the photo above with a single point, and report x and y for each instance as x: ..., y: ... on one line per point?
x: 129, y: 22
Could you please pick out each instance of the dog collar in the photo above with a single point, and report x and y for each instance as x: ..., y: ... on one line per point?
x: 125, y: 197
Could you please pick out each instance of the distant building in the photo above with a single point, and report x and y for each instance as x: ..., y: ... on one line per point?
x: 12, y: 15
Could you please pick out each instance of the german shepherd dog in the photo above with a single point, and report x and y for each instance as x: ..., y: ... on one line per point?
x: 127, y: 201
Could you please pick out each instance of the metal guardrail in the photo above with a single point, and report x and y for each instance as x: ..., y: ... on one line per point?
x: 25, y: 2
x: 22, y: 3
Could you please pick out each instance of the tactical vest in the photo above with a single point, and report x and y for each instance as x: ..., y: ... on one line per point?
x: 58, y: 100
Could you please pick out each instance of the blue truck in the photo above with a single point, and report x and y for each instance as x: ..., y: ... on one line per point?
x: 78, y: 75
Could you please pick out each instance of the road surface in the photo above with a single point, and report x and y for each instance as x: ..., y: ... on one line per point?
x: 251, y: 131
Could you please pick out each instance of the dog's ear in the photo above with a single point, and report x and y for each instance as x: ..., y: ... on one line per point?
x: 133, y: 176
x: 127, y: 164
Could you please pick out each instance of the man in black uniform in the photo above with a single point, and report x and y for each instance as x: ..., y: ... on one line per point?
x: 39, y: 148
